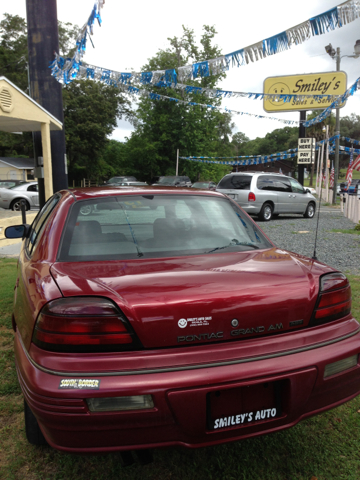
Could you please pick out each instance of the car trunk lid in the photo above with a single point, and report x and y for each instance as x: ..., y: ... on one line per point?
x: 202, y: 299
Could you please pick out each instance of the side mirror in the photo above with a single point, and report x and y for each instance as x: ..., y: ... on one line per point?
x: 17, y: 231
x: 307, y: 190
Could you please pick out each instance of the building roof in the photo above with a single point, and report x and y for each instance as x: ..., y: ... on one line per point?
x: 19, y: 163
x: 20, y: 113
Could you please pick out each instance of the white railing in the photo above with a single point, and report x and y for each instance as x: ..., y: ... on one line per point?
x: 350, y: 206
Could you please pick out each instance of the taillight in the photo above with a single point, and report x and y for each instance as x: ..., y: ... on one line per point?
x: 83, y: 324
x: 334, y: 299
x: 251, y: 197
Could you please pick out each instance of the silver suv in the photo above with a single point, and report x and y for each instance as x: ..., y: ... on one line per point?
x: 268, y: 194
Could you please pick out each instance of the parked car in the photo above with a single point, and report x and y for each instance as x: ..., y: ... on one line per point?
x: 206, y: 185
x: 352, y: 188
x: 117, y: 180
x: 11, y: 197
x: 11, y: 183
x: 155, y: 180
x: 167, y: 317
x: 131, y: 184
x: 174, y: 180
x: 266, y: 195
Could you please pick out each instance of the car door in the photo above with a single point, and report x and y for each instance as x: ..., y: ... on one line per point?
x: 299, y: 197
x: 33, y: 195
x: 284, y: 195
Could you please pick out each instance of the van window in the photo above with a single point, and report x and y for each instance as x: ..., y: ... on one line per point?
x: 273, y: 183
x: 236, y: 182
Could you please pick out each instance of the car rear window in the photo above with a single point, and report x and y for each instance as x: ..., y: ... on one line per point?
x: 148, y: 226
x: 237, y: 182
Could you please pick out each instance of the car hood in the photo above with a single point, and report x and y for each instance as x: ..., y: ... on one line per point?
x: 200, y: 299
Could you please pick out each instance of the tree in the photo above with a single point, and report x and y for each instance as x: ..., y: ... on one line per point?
x: 13, y: 61
x: 90, y: 113
x: 90, y: 108
x: 163, y: 127
x: 238, y: 139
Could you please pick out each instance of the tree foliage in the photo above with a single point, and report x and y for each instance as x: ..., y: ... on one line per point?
x: 90, y: 113
x: 90, y: 109
x: 162, y: 127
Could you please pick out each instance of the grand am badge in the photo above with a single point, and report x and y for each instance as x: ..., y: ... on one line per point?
x: 79, y: 383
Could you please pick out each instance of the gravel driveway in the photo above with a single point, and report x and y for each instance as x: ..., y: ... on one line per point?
x: 297, y: 234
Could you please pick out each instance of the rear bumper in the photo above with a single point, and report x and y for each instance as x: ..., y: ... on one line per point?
x: 251, y: 208
x: 184, y: 410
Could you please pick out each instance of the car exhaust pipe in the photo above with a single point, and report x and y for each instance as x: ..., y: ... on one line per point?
x: 129, y: 457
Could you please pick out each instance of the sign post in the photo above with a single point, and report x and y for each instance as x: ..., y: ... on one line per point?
x: 306, y: 151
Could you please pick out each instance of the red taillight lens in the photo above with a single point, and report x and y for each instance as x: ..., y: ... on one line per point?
x: 334, y: 299
x: 83, y: 324
x: 251, y: 197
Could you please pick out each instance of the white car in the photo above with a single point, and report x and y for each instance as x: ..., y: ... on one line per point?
x: 11, y: 197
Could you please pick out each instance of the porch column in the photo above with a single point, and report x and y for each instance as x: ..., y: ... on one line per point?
x: 46, y: 151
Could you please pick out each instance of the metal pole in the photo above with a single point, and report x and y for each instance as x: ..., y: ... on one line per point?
x: 177, y: 162
x: 337, y: 132
x: 302, y: 134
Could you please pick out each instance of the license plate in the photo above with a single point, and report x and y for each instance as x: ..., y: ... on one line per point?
x: 232, y: 195
x: 238, y: 407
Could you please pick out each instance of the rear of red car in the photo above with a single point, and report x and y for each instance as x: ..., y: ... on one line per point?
x: 148, y: 332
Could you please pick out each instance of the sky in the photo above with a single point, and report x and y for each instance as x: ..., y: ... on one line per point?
x: 132, y: 32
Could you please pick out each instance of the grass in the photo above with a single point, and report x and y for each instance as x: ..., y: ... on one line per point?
x: 324, y: 447
x: 351, y: 232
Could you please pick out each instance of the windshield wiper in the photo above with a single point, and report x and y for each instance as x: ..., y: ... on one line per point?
x: 233, y: 244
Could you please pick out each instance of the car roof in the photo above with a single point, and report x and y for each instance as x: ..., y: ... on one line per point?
x: 93, y: 192
x: 256, y: 173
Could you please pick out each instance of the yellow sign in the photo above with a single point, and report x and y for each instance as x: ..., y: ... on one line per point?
x: 329, y: 83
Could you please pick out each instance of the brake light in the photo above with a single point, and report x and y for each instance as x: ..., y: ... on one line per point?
x: 83, y: 324
x: 251, y: 197
x: 334, y: 299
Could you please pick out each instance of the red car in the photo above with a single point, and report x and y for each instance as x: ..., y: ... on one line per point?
x: 167, y: 317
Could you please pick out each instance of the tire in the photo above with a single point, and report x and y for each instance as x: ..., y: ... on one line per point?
x: 310, y: 211
x: 86, y: 210
x: 33, y: 433
x: 16, y: 205
x: 266, y: 212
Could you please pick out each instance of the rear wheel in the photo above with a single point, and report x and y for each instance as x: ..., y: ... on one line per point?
x: 32, y: 429
x: 266, y: 212
x: 310, y: 211
x: 86, y: 210
x: 16, y: 205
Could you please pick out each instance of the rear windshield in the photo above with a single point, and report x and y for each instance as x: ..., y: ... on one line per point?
x: 150, y: 226
x: 237, y: 182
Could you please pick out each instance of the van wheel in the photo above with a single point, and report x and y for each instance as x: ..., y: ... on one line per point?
x: 32, y: 429
x: 310, y: 211
x: 266, y: 212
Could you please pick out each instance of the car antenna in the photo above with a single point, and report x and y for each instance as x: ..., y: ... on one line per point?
x: 314, y: 257
x: 23, y: 210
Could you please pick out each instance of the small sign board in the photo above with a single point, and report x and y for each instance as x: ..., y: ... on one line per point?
x: 306, y: 151
x: 324, y: 83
